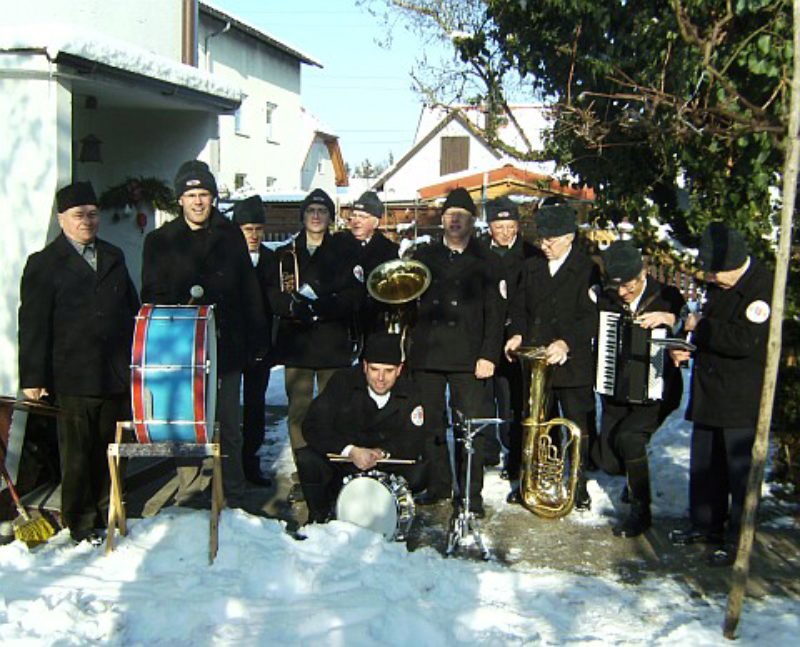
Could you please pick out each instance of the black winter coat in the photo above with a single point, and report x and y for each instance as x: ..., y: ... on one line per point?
x: 460, y: 317
x: 731, y: 340
x: 175, y: 258
x: 264, y: 268
x: 327, y: 342
x: 344, y: 414
x: 75, y: 324
x: 548, y: 308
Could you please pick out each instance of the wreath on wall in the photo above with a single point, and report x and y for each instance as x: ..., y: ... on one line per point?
x: 125, y: 199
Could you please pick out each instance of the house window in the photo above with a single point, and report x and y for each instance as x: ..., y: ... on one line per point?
x: 270, y: 121
x: 271, y: 181
x: 239, y: 121
x: 454, y: 155
x: 321, y: 168
x: 239, y: 179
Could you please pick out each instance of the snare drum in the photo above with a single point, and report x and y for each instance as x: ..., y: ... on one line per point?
x: 378, y: 501
x: 173, y: 374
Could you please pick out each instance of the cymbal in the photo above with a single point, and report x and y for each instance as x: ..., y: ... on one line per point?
x: 31, y: 406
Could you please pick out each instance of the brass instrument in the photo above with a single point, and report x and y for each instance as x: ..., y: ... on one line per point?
x: 290, y: 280
x: 396, y: 283
x: 543, y: 487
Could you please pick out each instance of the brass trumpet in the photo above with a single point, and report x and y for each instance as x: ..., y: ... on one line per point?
x: 549, y: 470
x: 290, y: 280
x: 397, y: 283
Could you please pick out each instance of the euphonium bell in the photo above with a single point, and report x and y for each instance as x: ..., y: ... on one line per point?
x: 396, y: 283
x: 551, y: 449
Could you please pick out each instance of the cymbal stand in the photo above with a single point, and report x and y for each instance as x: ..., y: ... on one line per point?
x: 465, y: 524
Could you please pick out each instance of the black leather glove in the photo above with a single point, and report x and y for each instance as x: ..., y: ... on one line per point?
x: 302, y: 309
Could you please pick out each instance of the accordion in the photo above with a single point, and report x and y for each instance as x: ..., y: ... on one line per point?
x: 629, y: 367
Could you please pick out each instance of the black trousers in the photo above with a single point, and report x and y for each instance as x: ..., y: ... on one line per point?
x: 511, y: 403
x: 254, y: 388
x: 85, y: 429
x: 321, y: 480
x: 719, y: 466
x: 624, y: 433
x: 472, y: 397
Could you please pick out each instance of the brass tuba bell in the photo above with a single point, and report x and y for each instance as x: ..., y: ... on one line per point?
x: 396, y: 283
x: 551, y: 449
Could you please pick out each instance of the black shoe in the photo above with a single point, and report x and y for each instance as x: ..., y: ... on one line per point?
x: 504, y: 474
x: 624, y: 496
x: 429, y: 498
x: 258, y: 479
x: 296, y: 494
x: 724, y: 555
x: 91, y: 536
x: 687, y: 537
x: 515, y: 496
x: 634, y: 524
x: 583, y: 501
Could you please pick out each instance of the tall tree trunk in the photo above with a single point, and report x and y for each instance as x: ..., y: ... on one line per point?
x: 741, y: 567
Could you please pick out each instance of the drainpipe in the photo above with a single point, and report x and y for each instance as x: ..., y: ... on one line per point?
x: 219, y: 32
x: 189, y: 33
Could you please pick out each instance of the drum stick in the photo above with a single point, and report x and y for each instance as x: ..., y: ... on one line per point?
x: 339, y: 458
x: 196, y: 293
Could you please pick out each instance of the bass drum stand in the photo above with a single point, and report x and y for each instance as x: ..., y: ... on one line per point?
x: 465, y: 524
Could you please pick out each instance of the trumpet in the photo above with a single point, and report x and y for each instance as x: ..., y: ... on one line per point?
x: 290, y: 278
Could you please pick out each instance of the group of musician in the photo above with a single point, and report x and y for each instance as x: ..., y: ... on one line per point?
x: 362, y: 394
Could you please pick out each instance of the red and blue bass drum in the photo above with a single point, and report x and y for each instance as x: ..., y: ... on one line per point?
x: 174, y: 374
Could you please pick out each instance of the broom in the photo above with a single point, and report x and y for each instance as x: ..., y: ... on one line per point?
x: 29, y: 530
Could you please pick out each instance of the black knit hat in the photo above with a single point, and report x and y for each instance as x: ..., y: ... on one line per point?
x: 622, y: 262
x: 383, y: 348
x: 370, y: 203
x: 461, y: 199
x: 249, y: 211
x: 194, y: 174
x: 555, y: 220
x: 75, y: 195
x: 502, y: 208
x: 722, y: 248
x: 317, y: 196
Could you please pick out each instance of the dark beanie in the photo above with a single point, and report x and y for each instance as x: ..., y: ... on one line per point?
x: 249, y: 211
x: 371, y: 203
x: 461, y: 199
x: 317, y: 196
x: 502, y: 208
x: 194, y: 174
x: 75, y: 195
x: 622, y: 262
x: 555, y: 220
x: 722, y: 248
x: 383, y: 348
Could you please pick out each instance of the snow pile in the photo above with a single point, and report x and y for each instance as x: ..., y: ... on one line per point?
x: 94, y: 46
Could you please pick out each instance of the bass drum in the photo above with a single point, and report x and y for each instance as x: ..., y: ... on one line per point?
x: 173, y: 374
x: 378, y: 501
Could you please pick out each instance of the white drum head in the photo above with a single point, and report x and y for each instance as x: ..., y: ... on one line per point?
x: 367, y: 502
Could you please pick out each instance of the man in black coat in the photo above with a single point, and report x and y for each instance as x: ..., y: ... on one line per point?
x: 76, y: 315
x: 502, y: 214
x: 728, y: 373
x: 370, y: 249
x: 366, y: 412
x: 456, y: 341
x: 316, y: 308
x: 627, y: 426
x: 556, y: 307
x: 249, y: 215
x: 203, y: 248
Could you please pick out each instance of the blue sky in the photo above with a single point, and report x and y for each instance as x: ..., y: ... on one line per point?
x: 363, y: 91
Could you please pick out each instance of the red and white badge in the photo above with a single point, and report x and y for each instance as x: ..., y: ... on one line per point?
x: 358, y: 272
x: 418, y: 416
x: 758, y: 312
x: 503, y: 288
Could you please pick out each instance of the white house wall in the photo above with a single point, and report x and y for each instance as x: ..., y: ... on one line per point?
x: 318, y: 172
x: 423, y: 168
x: 267, y: 76
x: 154, y: 25
x: 35, y: 116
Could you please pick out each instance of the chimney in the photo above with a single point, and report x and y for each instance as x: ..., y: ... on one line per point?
x: 189, y: 33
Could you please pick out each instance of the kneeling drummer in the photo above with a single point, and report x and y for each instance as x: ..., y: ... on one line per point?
x: 366, y: 413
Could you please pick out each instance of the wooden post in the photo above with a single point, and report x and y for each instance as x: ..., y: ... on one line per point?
x: 790, y: 171
x: 217, y: 498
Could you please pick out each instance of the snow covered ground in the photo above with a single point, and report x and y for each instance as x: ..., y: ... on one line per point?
x: 347, y: 586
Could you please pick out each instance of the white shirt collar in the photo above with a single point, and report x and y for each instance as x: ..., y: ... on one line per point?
x: 379, y: 400
x: 634, y: 305
x: 555, y: 265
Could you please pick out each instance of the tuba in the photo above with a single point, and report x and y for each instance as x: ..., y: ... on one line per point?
x: 397, y: 283
x: 551, y: 449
